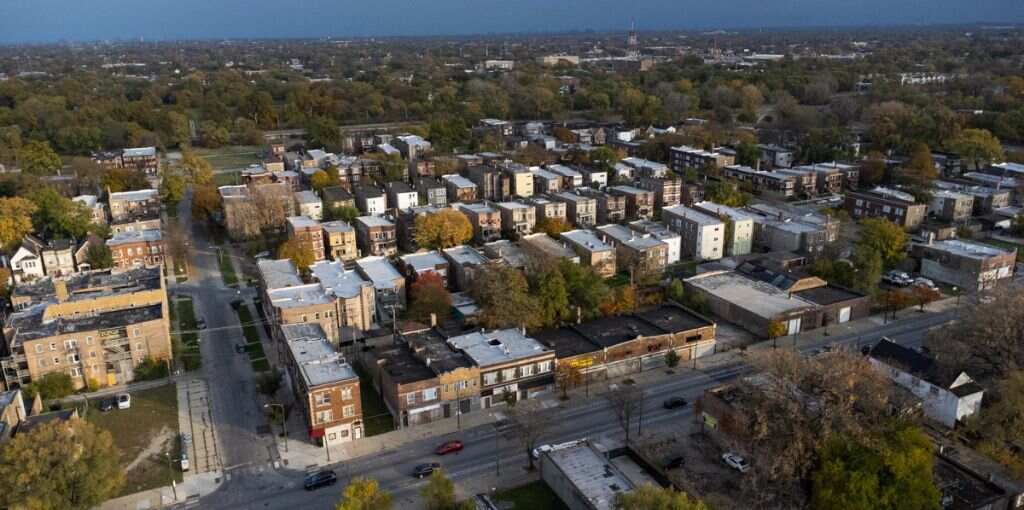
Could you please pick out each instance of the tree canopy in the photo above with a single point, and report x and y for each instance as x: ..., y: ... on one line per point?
x: 364, y: 494
x: 443, y: 229
x: 649, y: 497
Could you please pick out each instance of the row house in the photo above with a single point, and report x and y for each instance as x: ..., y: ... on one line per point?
x: 684, y: 157
x: 137, y: 248
x: 463, y: 264
x: 415, y: 265
x: 703, y: 235
x: 337, y: 197
x: 611, y: 208
x: 354, y: 298
x: 458, y: 377
x: 639, y: 202
x: 636, y: 252
x: 517, y: 219
x: 581, y: 210
x: 459, y: 188
x: 545, y: 181
x: 491, y: 183
x: 594, y: 177
x: 309, y: 205
x: 308, y: 233
x: 673, y: 241
x: 520, y: 179
x: 410, y: 389
x: 667, y: 191
x: 388, y: 284
x: 778, y: 184
x: 376, y: 236
x: 401, y: 196
x: 896, y: 206
x: 571, y: 178
x: 143, y: 159
x: 340, y: 241
x: 645, y: 168
x: 775, y: 156
x: 739, y: 231
x: 36, y: 258
x: 434, y: 192
x: 545, y: 209
x: 371, y: 201
x: 986, y: 200
x: 778, y: 230
x: 486, y: 221
x: 593, y: 252
x: 953, y: 206
x: 97, y: 211
x: 405, y: 224
x: 806, y: 180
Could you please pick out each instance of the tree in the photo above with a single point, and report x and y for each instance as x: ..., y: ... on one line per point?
x: 552, y: 296
x: 885, y: 238
x: 1001, y: 422
x: 5, y: 282
x: 364, y: 494
x: 922, y: 295
x: 872, y: 169
x: 300, y: 254
x: 439, y: 493
x: 672, y: 358
x: 117, y: 180
x: 321, y: 180
x: 51, y: 386
x: 98, y: 255
x: 627, y: 403
x: 920, y: 171
x: 776, y: 329
x: 15, y: 222
x: 567, y: 377
x: 428, y: 297
x: 990, y: 345
x: 727, y: 194
x: 892, y: 474
x: 978, y: 146
x: 205, y: 200
x: 267, y: 383
x: 59, y: 216
x: 553, y: 227
x: 676, y: 291
x: 649, y: 497
x: 172, y: 188
x: 443, y: 229
x: 199, y: 169
x: 61, y: 465
x: 504, y: 298
x: 37, y: 158
x: 344, y: 213
x: 531, y: 421
x: 587, y: 290
x: 619, y: 301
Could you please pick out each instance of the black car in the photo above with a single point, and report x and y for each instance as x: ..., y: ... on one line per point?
x: 427, y: 469
x: 674, y: 463
x: 319, y: 479
x: 107, y: 404
x: 675, y: 402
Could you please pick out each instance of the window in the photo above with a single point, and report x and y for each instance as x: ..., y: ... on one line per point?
x: 138, y: 332
x: 346, y: 393
x: 88, y: 340
x: 324, y: 416
x: 343, y: 434
x: 543, y: 367
x: 322, y: 398
x: 410, y: 398
x: 42, y: 363
x: 39, y: 347
x: 490, y: 378
x: 53, y: 346
x: 70, y: 345
x: 75, y: 372
x: 508, y: 374
x: 526, y: 370
x: 56, y: 360
x: 430, y: 394
x: 461, y: 385
x: 92, y: 354
x: 73, y: 358
x: 348, y: 411
x: 95, y: 369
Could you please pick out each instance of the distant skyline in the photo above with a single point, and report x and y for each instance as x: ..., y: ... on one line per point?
x: 39, y: 21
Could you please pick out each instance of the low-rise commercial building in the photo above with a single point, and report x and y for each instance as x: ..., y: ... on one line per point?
x: 968, y: 265
x: 512, y: 365
x: 752, y: 304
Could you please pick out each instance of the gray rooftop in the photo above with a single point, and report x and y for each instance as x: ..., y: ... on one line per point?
x: 135, y: 196
x: 317, y: 360
x: 135, y: 236
x: 479, y: 208
x: 298, y: 222
x: 630, y: 237
x: 338, y: 281
x: 733, y: 213
x: 298, y: 296
x: 760, y: 298
x: 629, y: 190
x: 512, y: 205
x: 564, y: 171
x: 374, y: 221
x: 592, y: 474
x: 277, y: 274
x: 29, y: 324
x: 964, y: 248
x: 549, y: 246
x: 586, y: 239
x: 573, y: 197
x: 306, y: 197
x: 380, y: 271
x: 140, y: 152
x: 692, y: 215
x: 459, y: 181
x: 465, y: 255
x: 424, y: 261
x: 488, y: 348
x: 508, y: 252
x: 336, y: 226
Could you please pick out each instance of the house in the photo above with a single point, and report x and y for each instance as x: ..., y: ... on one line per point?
x: 12, y: 413
x: 337, y: 197
x: 834, y: 177
x: 752, y: 304
x: 639, y: 202
x: 96, y: 208
x: 411, y: 390
x: 309, y: 234
x: 581, y: 210
x: 545, y: 209
x: 326, y: 387
x: 739, y: 232
x: 401, y: 196
x: 491, y: 183
x: 774, y: 156
x: 948, y: 396
x: 967, y: 265
x: 433, y: 191
x: 463, y: 263
x: 571, y: 178
x: 371, y: 201
x: 512, y: 365
x: 411, y: 146
x: 143, y: 159
x: 646, y: 168
x: 376, y: 236
x: 542, y: 247
x: 388, y: 285
x: 774, y: 183
x: 517, y: 218
x: 684, y: 157
x: 594, y: 177
x: 545, y: 181
x: 703, y: 235
x: 414, y: 265
x: 355, y: 305
x: 896, y: 206
x: 126, y: 204
x: 952, y: 206
x: 673, y: 241
x: 485, y: 219
x: 611, y: 208
x: 520, y: 179
x: 777, y: 229
x: 340, y: 241
x: 137, y: 248
x: 309, y: 205
x: 458, y: 378
x: 667, y: 190
x: 459, y: 188
x: 634, y: 251
x: 593, y: 252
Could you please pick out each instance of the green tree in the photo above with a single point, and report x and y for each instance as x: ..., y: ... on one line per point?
x: 504, y: 298
x: 429, y: 297
x: 978, y: 146
x: 321, y: 180
x: 117, y: 180
x: 676, y: 291
x: 344, y: 213
x: 587, y: 290
x: 552, y: 296
x: 727, y: 193
x: 443, y: 229
x: 61, y: 465
x: 37, y: 158
x: 649, y: 497
x: 199, y: 169
x: 299, y: 254
x: 553, y: 227
x: 448, y: 132
x: 894, y: 474
x: 51, y: 386
x: 205, y: 200
x: 885, y: 238
x: 872, y: 169
x: 98, y: 256
x: 920, y: 170
x: 323, y: 132
x: 439, y: 494
x: 172, y: 188
x: 672, y: 359
x: 59, y: 216
x: 214, y: 135
x: 364, y: 494
x: 15, y: 222
x: 747, y: 153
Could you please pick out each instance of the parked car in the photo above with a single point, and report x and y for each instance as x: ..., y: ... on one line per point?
x: 449, y: 447
x: 186, y: 441
x: 107, y: 404
x: 736, y: 462
x: 674, y: 463
x: 897, y: 278
x: 319, y: 479
x: 925, y: 282
x: 240, y: 348
x: 551, y: 447
x: 124, y: 401
x: 425, y: 469
x: 201, y: 324
x: 675, y: 403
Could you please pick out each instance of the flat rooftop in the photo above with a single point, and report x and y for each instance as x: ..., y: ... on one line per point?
x: 760, y: 298
x: 564, y: 171
x: 508, y: 252
x: 512, y: 205
x: 135, y: 196
x: 732, y: 212
x: 970, y: 249
x: 380, y: 271
x: 29, y: 324
x: 337, y: 226
x: 586, y: 239
x: 432, y: 345
x: 465, y: 255
x: 317, y: 360
x: 459, y: 181
x: 300, y: 222
x: 94, y: 284
x: 403, y: 367
x: 573, y: 197
x: 630, y: 237
x: 495, y: 347
x: 425, y: 261
x: 592, y: 475
x: 338, y: 281
x: 278, y: 274
x: 374, y: 221
x: 479, y: 208
x: 298, y: 296
x: 549, y: 246
x: 827, y: 295
x: 629, y: 190
x: 692, y: 215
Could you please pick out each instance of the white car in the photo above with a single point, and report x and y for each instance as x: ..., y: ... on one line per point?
x: 124, y: 401
x: 551, y: 447
x: 925, y: 282
x: 897, y: 278
x: 736, y: 462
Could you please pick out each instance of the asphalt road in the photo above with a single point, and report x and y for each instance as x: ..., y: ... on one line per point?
x: 282, y: 489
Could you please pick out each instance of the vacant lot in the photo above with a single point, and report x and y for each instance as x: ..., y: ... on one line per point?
x: 376, y: 417
x: 146, y: 433
x: 235, y: 156
x: 532, y: 495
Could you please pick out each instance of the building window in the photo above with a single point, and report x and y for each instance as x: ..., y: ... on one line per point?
x: 430, y: 394
x: 348, y: 411
x: 56, y: 360
x: 324, y: 416
x: 461, y: 385
x: 88, y: 340
x: 138, y: 332
x: 526, y: 370
x: 410, y: 398
x: 346, y: 393
x: 42, y: 363
x: 39, y: 347
x: 508, y: 374
x: 92, y: 354
x: 73, y: 358
x: 70, y: 345
x: 343, y: 434
x: 490, y: 378
x: 543, y: 367
x: 322, y: 398
x: 75, y: 372
x: 53, y: 346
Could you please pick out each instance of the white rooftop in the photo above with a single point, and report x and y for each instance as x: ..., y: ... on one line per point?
x: 134, y: 236
x: 760, y: 298
x: 136, y: 152
x: 298, y: 296
x: 338, y: 281
x: 459, y: 181
x: 374, y: 221
x: 465, y: 255
x: 586, y: 239
x: 731, y: 212
x: 319, y: 363
x: 572, y: 197
x: 277, y: 274
x: 630, y: 237
x: 692, y: 215
x: 969, y: 249
x: 512, y: 205
x: 892, y: 193
x: 488, y: 348
x: 135, y: 196
x: 540, y: 172
x: 306, y: 197
x: 336, y: 226
x: 89, y: 201
x: 298, y: 222
x: 380, y: 271
x: 593, y: 476
x: 564, y: 171
x: 479, y: 208
x: 424, y: 261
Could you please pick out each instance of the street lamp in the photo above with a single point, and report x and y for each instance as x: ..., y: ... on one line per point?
x: 284, y: 422
x: 956, y: 290
x: 170, y: 473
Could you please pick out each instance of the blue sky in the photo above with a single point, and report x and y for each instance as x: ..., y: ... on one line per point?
x: 57, y: 20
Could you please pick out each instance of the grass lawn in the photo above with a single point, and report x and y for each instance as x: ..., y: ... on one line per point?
x: 260, y: 365
x: 234, y: 156
x: 137, y: 434
x: 227, y: 178
x: 252, y: 335
x: 376, y: 417
x: 532, y: 495
x: 183, y: 318
x: 227, y: 269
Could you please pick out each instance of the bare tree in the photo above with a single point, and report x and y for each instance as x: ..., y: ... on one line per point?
x: 991, y: 343
x: 531, y: 421
x: 626, y: 402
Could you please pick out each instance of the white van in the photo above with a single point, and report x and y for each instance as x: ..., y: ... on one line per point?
x: 186, y: 443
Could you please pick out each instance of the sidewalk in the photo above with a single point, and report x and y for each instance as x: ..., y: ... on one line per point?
x: 184, y: 493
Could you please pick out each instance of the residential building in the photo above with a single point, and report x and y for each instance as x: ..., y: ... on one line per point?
x: 355, y: 304
x: 520, y: 179
x: 464, y: 262
x: 611, y: 208
x: 593, y: 252
x: 807, y: 180
x: 953, y: 206
x: 411, y: 390
x: 376, y: 236
x: 509, y: 253
x: 948, y: 396
x: 967, y: 265
x: 517, y: 218
x: 834, y: 177
x: 774, y: 156
x: 458, y: 378
x: 36, y: 258
x: 778, y: 184
x: 673, y: 241
x: 491, y: 183
x: 739, y: 231
x: 309, y: 234
x: 581, y: 210
x: 307, y: 303
x: 571, y: 178
x: 371, y: 201
x: 512, y: 365
x: 337, y: 197
x: 459, y: 188
x: 433, y: 191
x: 986, y: 200
x: 777, y: 229
x: 703, y: 235
x: 896, y: 206
x: 545, y: 181
x: 594, y: 177
x: 405, y: 225
x: 415, y: 265
x: 340, y: 241
x: 136, y: 224
x: 309, y: 205
x: 684, y: 157
x: 545, y: 209
x: 485, y: 219
x: 12, y: 413
x: 143, y: 159
x: 667, y: 191
x: 326, y: 387
x: 27, y: 263
x: 96, y: 208
x: 127, y: 204
x: 645, y: 168
x: 137, y: 248
x: 639, y: 202
x: 636, y: 252
x: 388, y: 285
x: 542, y: 247
x: 411, y: 146
x: 402, y: 196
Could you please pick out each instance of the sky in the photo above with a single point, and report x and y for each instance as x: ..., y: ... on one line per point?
x: 33, y: 21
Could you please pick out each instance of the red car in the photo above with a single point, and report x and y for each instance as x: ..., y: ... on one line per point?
x: 449, y: 447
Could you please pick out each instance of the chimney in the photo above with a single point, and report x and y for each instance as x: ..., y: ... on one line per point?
x: 60, y: 289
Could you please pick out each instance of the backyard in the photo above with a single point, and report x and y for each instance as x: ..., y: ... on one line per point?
x: 231, y: 157
x: 145, y: 434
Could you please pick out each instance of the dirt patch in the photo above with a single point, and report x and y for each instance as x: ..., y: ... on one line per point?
x: 155, y: 447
